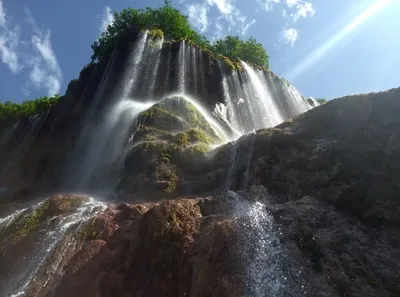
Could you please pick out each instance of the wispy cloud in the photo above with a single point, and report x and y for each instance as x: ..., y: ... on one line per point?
x: 2, y: 15
x: 246, y: 26
x: 197, y: 14
x: 36, y: 55
x: 218, y: 32
x: 229, y: 17
x: 224, y: 6
x: 9, y: 41
x: 303, y: 10
x: 289, y: 36
x: 107, y: 18
x: 268, y: 5
x: 45, y: 71
x: 294, y: 10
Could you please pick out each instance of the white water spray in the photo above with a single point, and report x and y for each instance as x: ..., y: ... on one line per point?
x: 273, y: 116
x: 155, y: 71
x: 182, y: 68
x: 137, y: 56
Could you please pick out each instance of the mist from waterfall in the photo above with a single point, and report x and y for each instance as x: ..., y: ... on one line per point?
x: 266, y: 264
x: 254, y: 99
x: 106, y: 144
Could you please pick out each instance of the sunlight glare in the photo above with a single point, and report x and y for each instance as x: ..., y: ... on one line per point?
x: 317, y: 54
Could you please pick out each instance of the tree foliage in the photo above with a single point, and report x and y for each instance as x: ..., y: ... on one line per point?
x: 175, y: 25
x: 11, y: 111
x: 235, y: 48
x: 321, y: 100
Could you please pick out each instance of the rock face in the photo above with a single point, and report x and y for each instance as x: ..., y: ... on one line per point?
x: 314, y: 213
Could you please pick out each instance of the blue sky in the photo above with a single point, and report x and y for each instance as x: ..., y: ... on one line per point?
x: 325, y: 48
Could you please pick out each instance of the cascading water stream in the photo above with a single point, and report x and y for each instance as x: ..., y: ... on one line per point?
x: 135, y: 68
x: 24, y: 270
x: 272, y: 115
x: 113, y: 129
x: 182, y: 68
x: 263, y: 256
x: 23, y: 143
x: 155, y: 71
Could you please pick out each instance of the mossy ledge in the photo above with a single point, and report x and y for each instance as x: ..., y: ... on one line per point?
x: 92, y: 228
x: 52, y: 207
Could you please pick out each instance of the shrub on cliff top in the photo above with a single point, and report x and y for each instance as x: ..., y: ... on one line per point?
x: 321, y: 100
x: 175, y: 25
x: 10, y: 111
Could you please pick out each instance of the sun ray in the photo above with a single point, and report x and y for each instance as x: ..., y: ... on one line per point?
x: 322, y: 50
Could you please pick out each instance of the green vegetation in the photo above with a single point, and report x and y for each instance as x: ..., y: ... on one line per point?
x: 34, y: 220
x: 171, y: 23
x: 158, y: 33
x: 57, y: 205
x: 164, y: 171
x: 234, y: 48
x: 92, y: 228
x: 10, y: 111
x: 321, y: 100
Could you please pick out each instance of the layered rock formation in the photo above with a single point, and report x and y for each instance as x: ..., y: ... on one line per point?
x: 307, y: 208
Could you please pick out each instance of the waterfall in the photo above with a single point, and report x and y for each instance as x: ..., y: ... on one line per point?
x: 17, y: 277
x: 112, y: 130
x: 23, y: 143
x: 108, y: 143
x: 134, y: 67
x: 182, y: 68
x: 194, y: 69
x: 231, y: 115
x: 153, y: 78
x: 262, y: 254
x: 271, y: 114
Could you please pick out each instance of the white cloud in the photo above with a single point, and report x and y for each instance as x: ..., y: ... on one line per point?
x: 224, y: 6
x: 45, y: 71
x: 219, y: 31
x: 267, y: 5
x: 106, y: 19
x: 247, y: 26
x: 237, y: 20
x: 284, y: 14
x: 197, y: 14
x: 9, y: 41
x: 292, y: 3
x: 36, y: 55
x: 228, y: 17
x: 2, y: 15
x: 304, y: 9
x: 289, y: 36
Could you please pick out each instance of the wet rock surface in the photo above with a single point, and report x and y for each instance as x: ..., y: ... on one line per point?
x: 328, y: 226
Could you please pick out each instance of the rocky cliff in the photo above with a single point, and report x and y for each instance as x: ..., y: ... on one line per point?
x: 309, y: 207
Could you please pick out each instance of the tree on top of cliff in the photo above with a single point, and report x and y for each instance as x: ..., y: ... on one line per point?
x: 176, y: 25
x: 235, y: 48
x: 10, y: 111
x: 321, y: 100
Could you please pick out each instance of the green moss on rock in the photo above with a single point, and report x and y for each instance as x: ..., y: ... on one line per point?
x: 52, y: 207
x: 158, y: 33
x: 92, y: 229
x: 233, y: 64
